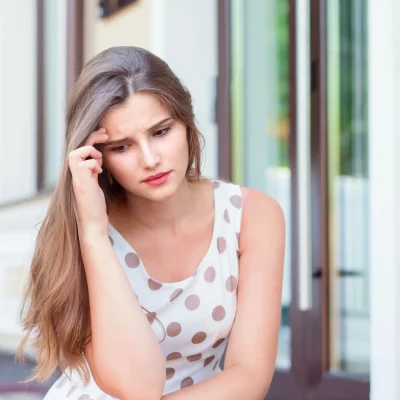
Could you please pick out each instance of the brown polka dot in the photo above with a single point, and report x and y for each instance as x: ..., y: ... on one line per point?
x: 218, y: 313
x: 231, y: 284
x: 151, y: 317
x: 208, y: 360
x: 174, y: 329
x: 132, y: 260
x: 187, y: 382
x: 209, y: 274
x: 176, y: 294
x: 199, y: 337
x: 215, y: 365
x: 111, y: 240
x: 174, y: 356
x: 71, y: 390
x: 194, y: 357
x: 61, y: 382
x: 192, y: 302
x: 218, y: 343
x: 216, y: 184
x: 226, y: 216
x: 221, y: 244
x: 154, y: 285
x: 236, y: 201
x: 170, y: 372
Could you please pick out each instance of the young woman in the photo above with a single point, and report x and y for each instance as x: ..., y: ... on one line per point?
x: 143, y: 269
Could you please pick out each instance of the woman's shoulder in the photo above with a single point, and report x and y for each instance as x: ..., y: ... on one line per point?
x: 257, y: 198
x: 260, y: 208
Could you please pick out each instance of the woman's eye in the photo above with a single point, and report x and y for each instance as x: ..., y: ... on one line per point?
x: 162, y: 132
x: 120, y: 149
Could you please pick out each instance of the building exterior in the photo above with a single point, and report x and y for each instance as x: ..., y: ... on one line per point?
x: 297, y: 98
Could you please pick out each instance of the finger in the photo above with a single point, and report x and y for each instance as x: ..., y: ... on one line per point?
x: 90, y: 165
x: 82, y: 153
x: 97, y: 137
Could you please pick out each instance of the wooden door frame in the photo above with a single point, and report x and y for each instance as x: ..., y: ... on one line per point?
x: 292, y: 384
x: 223, y: 100
x: 75, y: 42
x: 323, y: 384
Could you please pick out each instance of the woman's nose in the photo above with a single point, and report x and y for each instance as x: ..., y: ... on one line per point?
x: 150, y: 157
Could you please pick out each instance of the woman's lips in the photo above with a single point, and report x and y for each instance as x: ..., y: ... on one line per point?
x: 157, y: 179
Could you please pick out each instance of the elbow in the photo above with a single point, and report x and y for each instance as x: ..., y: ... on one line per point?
x: 262, y: 382
x: 126, y: 388
x: 128, y: 382
x: 130, y: 391
x: 259, y: 379
x: 138, y: 393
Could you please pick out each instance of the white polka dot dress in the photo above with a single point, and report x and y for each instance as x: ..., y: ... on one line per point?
x: 192, y: 319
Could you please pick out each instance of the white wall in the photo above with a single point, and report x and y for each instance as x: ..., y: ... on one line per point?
x: 384, y: 147
x: 17, y: 100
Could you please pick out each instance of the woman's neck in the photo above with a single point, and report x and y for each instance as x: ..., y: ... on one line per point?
x: 166, y: 215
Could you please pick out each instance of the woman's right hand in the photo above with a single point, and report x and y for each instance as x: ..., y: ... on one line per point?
x: 91, y: 212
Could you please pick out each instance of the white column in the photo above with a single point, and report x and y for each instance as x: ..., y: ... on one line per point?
x: 384, y: 148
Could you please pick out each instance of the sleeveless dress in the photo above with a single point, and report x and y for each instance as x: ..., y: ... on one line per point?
x: 192, y: 318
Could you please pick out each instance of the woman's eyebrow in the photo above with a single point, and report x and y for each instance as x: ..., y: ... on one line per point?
x: 152, y: 128
x: 157, y: 124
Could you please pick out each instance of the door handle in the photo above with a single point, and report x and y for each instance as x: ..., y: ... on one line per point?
x: 341, y: 273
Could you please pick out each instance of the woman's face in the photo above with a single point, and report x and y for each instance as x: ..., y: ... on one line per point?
x: 147, y: 151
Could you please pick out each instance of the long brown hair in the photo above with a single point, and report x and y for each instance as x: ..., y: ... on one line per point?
x: 55, y: 308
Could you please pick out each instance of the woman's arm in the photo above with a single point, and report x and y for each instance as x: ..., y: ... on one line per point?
x: 124, y: 355
x: 252, y: 346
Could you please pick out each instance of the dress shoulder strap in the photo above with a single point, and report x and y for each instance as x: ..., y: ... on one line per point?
x: 229, y: 201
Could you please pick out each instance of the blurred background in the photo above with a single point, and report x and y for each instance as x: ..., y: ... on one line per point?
x: 297, y: 98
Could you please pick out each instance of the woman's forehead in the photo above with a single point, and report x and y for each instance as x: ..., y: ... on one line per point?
x: 137, y: 114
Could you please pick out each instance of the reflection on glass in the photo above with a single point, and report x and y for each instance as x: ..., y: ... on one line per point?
x: 260, y: 116
x: 348, y: 186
